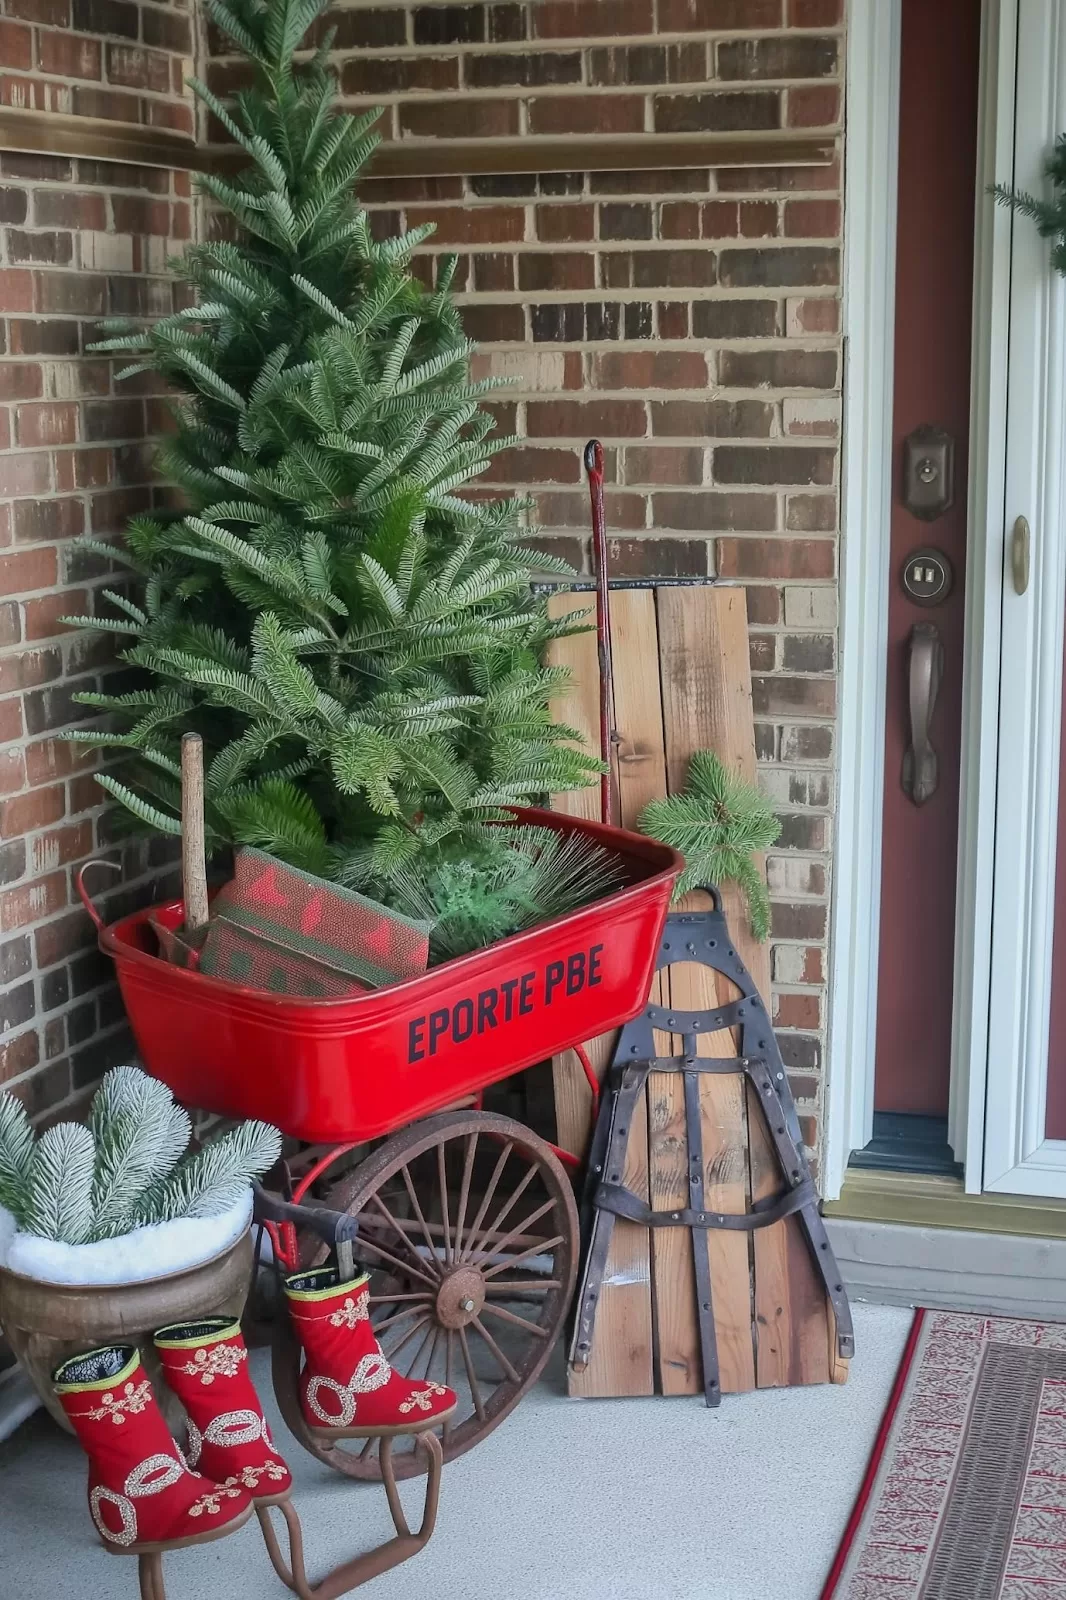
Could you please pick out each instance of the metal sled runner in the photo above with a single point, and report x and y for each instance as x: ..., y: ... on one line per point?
x: 700, y: 937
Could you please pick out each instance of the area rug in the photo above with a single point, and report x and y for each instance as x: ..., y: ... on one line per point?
x: 965, y: 1494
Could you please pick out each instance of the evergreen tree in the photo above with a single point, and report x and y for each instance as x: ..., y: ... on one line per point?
x: 358, y: 644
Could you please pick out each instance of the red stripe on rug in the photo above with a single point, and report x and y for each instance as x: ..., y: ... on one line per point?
x: 873, y: 1466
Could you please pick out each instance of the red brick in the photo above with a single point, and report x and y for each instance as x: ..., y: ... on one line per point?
x: 658, y: 558
x: 672, y: 319
x: 573, y: 19
x: 12, y: 771
x: 107, y: 104
x: 821, y: 315
x: 42, y: 616
x: 16, y: 46
x: 471, y: 224
x: 650, y: 369
x: 815, y: 13
x: 60, y: 846
x: 779, y: 464
x: 587, y: 113
x: 721, y: 419
x: 623, y: 419
x: 758, y: 219
x: 16, y: 290
x: 27, y: 570
x: 460, y: 119
x: 50, y: 759
x: 20, y: 380
x: 814, y: 106
x: 18, y: 1055
x: 778, y: 696
x: 29, y: 668
x: 526, y: 466
x: 565, y: 224
x: 715, y: 512
x: 812, y: 219
x: 797, y: 1011
x: 10, y: 719
x: 48, y: 519
x: 30, y: 902
x: 556, y: 269
x: 680, y: 219
x: 30, y: 811
x: 68, y: 55
x: 54, y: 422
x: 133, y: 68
x: 54, y: 208
x: 811, y: 513
x: 664, y: 464
x: 677, y: 16
x: 776, y: 558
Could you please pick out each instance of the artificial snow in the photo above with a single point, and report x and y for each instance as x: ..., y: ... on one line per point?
x: 152, y: 1252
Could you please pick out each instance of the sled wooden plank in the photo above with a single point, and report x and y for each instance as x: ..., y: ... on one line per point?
x: 578, y: 705
x: 641, y: 755
x: 624, y: 1337
x: 621, y: 1358
x: 700, y: 631
x: 791, y: 1332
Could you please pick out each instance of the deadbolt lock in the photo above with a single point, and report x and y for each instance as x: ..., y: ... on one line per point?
x: 927, y: 576
x: 928, y: 472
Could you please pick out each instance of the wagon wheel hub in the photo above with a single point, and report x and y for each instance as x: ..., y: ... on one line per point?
x: 460, y: 1296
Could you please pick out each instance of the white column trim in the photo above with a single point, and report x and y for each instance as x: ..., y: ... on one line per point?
x: 871, y: 165
x: 1018, y: 1157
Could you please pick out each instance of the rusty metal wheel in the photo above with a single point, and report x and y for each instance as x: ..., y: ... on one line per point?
x: 468, y: 1229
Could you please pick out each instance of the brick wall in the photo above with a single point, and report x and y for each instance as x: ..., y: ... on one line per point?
x: 78, y: 240
x: 690, y: 319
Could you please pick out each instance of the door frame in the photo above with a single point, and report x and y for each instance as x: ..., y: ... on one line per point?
x: 1019, y: 1158
x: 871, y: 170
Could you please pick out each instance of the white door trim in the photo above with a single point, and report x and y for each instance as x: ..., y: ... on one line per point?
x: 1019, y: 1159
x: 871, y: 163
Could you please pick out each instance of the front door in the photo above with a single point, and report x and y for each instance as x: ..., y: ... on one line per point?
x: 938, y: 119
x: 1025, y: 1090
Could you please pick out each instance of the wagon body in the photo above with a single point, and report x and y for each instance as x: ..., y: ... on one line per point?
x: 354, y: 1069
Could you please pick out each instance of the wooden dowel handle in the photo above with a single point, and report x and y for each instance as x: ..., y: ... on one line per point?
x: 193, y: 854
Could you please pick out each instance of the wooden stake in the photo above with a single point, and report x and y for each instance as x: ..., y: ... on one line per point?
x: 193, y: 853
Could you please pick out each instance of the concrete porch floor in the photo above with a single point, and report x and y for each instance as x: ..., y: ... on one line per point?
x: 568, y: 1500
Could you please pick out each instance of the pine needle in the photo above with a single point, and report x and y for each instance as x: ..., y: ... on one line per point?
x: 16, y: 1155
x: 719, y: 823
x: 59, y: 1184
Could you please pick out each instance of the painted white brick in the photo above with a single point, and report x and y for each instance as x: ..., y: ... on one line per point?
x: 807, y: 607
x: 817, y: 418
x: 107, y: 252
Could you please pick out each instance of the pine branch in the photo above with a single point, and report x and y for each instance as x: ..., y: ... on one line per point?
x: 59, y: 1184
x: 16, y: 1155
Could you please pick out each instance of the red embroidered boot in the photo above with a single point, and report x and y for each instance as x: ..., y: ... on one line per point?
x: 347, y: 1388
x: 206, y: 1365
x: 142, y: 1496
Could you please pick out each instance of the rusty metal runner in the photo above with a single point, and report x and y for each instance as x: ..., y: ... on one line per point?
x: 700, y: 937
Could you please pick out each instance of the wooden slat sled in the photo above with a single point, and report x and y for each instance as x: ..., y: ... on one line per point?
x: 682, y: 683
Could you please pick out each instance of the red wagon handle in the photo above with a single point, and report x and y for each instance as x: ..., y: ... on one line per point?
x: 594, y: 468
x: 83, y: 893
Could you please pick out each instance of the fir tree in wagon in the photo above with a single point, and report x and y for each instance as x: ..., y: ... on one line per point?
x: 355, y: 638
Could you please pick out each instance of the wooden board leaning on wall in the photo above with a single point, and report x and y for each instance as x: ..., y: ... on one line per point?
x: 682, y: 682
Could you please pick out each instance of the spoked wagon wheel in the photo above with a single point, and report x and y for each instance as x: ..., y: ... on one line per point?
x: 468, y: 1229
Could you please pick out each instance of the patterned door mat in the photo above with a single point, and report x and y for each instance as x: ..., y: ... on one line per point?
x: 965, y: 1494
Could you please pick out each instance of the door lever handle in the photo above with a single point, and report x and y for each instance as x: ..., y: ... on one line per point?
x: 1019, y: 555
x: 925, y: 670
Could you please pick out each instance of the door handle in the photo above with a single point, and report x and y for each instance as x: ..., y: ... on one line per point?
x: 1019, y: 555
x: 925, y: 670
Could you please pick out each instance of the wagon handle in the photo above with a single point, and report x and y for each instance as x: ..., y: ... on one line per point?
x: 83, y: 893
x: 335, y: 1228
x: 594, y: 468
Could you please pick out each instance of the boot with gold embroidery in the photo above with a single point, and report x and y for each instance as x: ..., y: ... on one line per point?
x: 206, y: 1365
x: 347, y: 1387
x: 142, y: 1495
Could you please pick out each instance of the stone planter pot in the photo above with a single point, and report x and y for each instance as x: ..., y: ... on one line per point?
x: 45, y: 1323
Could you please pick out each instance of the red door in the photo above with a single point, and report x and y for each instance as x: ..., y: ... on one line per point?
x: 934, y: 270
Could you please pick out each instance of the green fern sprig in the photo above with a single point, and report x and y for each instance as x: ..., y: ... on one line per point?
x: 719, y: 823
